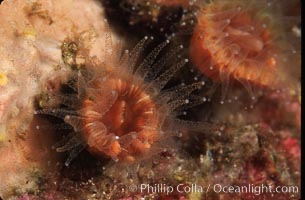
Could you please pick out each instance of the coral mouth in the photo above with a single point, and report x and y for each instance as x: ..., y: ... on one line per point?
x: 120, y: 122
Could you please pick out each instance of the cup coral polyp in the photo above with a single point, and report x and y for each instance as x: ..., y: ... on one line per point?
x: 129, y: 127
x: 116, y: 112
x: 236, y: 40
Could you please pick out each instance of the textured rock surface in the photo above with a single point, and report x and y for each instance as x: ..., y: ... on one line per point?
x: 251, y: 141
x: 31, y: 37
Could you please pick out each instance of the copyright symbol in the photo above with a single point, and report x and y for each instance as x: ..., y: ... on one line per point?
x: 133, y: 188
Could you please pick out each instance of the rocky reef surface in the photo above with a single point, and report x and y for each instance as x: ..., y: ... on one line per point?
x: 82, y: 117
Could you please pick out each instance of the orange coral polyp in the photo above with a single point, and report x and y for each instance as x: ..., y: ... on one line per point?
x: 128, y: 126
x: 234, y: 43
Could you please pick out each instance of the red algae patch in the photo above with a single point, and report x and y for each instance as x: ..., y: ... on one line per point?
x: 238, y: 40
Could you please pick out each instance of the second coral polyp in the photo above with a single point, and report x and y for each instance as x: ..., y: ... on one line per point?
x: 231, y: 41
x: 119, y: 120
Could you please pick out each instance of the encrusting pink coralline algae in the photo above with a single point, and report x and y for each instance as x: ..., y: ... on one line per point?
x: 32, y: 34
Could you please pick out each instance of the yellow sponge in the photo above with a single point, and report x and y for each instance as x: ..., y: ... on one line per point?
x: 2, y: 133
x: 3, y: 79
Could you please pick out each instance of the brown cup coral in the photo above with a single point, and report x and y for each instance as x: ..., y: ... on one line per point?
x: 116, y: 113
x: 120, y: 120
x: 240, y: 40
